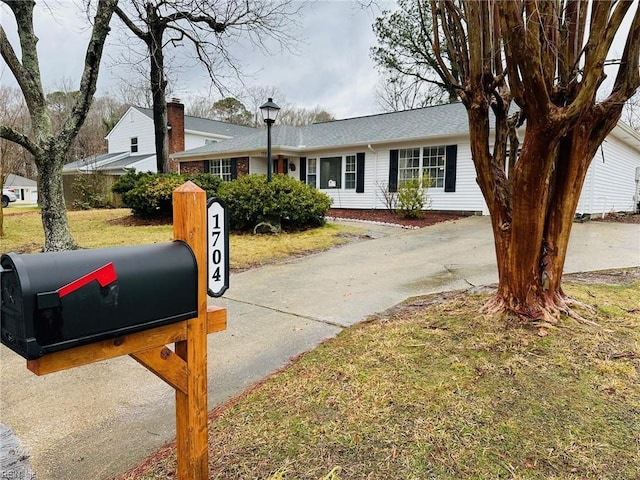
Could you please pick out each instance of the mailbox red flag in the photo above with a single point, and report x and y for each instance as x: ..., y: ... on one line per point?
x: 103, y: 275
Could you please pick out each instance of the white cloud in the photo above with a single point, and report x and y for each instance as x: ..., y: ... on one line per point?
x: 331, y: 69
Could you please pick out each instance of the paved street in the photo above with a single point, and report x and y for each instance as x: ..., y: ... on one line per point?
x: 99, y: 420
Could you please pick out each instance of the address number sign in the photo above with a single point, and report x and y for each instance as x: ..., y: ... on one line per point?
x: 217, y: 248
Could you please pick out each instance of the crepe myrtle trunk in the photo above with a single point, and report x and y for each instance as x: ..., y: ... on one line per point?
x: 53, y: 209
x: 532, y: 229
x: 575, y: 153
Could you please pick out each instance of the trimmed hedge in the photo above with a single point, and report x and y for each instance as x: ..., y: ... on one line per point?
x: 284, y: 202
x: 150, y: 194
x: 250, y: 200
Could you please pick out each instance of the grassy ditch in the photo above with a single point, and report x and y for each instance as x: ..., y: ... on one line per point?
x: 433, y: 390
x: 116, y: 227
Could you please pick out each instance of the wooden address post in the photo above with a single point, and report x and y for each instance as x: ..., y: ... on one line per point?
x: 186, y: 369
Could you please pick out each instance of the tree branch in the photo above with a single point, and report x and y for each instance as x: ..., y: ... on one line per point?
x: 628, y: 78
x: 27, y: 71
x: 8, y: 133
x: 603, y: 29
x: 142, y: 35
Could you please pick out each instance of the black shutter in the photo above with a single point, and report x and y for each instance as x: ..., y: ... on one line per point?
x: 303, y: 169
x: 393, y: 171
x: 360, y: 172
x: 234, y: 168
x: 206, y: 166
x: 450, y: 168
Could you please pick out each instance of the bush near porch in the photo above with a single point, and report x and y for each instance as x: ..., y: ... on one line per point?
x: 284, y: 202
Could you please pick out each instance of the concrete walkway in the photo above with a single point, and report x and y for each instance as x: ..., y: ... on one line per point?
x: 97, y: 421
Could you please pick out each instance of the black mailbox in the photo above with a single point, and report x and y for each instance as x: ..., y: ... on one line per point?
x: 55, y: 301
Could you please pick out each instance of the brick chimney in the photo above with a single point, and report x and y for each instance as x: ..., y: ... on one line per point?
x: 175, y: 117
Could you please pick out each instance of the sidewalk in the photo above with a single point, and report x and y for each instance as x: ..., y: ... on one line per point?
x: 99, y: 420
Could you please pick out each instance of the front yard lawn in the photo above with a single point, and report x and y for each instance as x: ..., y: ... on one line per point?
x: 117, y: 227
x: 433, y: 390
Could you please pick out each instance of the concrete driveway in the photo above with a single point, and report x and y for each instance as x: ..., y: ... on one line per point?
x: 99, y: 420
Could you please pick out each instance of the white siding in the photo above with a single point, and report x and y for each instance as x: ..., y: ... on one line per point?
x: 610, y: 185
x: 467, y: 196
x: 257, y: 166
x: 195, y: 140
x: 146, y: 165
x: 132, y: 124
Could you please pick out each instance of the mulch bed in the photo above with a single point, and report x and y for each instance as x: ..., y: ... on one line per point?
x: 387, y: 216
x: 618, y: 218
x: 381, y: 216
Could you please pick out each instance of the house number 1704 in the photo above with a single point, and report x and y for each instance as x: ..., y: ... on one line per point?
x: 217, y: 248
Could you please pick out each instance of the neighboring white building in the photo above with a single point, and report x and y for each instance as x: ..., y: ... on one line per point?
x: 612, y: 183
x: 354, y: 160
x: 131, y: 142
x: 25, y: 189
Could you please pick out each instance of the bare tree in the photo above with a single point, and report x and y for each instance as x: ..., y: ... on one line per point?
x: 12, y: 112
x: 254, y: 96
x: 299, y: 116
x: 90, y: 138
x: 549, y: 58
x: 49, y: 147
x: 631, y: 112
x: 396, y: 92
x: 208, y: 27
x: 289, y: 114
x: 133, y: 92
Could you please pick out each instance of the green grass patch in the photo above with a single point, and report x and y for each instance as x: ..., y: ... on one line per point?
x: 117, y: 227
x: 441, y: 392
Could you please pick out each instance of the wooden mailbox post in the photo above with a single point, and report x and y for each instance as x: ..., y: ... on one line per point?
x: 185, y: 369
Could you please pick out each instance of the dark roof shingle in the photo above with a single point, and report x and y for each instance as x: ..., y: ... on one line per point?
x: 436, y: 121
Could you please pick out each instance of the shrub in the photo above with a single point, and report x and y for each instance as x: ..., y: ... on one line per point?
x: 389, y: 197
x: 89, y: 191
x: 206, y: 181
x: 251, y: 200
x: 412, y: 196
x: 150, y: 194
x: 128, y: 181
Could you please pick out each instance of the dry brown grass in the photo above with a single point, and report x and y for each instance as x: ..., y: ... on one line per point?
x: 433, y: 390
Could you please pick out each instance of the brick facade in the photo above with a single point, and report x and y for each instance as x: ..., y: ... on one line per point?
x: 242, y: 166
x: 192, y: 167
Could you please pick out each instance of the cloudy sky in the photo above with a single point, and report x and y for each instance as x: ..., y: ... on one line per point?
x: 331, y: 68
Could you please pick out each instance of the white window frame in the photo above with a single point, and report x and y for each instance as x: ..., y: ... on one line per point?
x: 350, y: 169
x: 433, y: 164
x: 409, y: 164
x: 221, y: 167
x: 416, y: 162
x: 312, y: 172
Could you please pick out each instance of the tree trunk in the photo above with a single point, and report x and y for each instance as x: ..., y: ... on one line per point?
x: 54, y: 211
x: 158, y: 93
x: 576, y: 152
x: 546, y: 187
